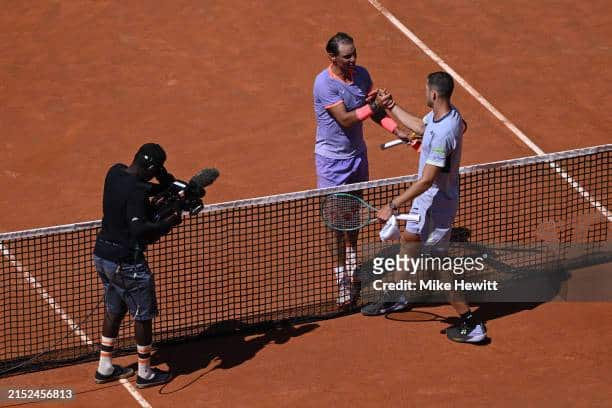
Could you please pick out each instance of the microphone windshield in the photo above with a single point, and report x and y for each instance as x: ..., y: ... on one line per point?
x: 204, y: 177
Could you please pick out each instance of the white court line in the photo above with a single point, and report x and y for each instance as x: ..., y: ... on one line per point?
x: 45, y: 295
x: 64, y: 316
x: 598, y: 206
x: 417, y: 41
x: 470, y: 89
x: 134, y: 392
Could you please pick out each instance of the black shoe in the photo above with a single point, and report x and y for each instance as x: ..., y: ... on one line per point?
x: 355, y: 291
x: 159, y: 377
x: 118, y: 373
x: 467, y: 333
x: 385, y: 305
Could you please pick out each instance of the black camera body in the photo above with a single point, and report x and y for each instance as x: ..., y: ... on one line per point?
x: 182, y: 196
x: 177, y: 198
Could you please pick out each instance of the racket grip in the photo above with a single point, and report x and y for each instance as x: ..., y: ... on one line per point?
x: 409, y: 217
x: 415, y: 144
x: 391, y: 144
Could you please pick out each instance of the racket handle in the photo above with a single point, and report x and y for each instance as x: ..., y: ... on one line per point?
x: 409, y: 217
x: 391, y: 144
x: 415, y: 144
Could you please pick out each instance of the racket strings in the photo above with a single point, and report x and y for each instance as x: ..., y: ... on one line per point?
x: 345, y: 212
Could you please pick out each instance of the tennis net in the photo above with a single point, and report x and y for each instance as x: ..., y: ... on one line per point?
x: 250, y: 263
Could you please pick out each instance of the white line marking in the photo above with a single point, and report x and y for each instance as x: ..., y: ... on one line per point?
x: 45, y: 295
x: 470, y: 89
x: 64, y: 316
x: 417, y: 41
x: 137, y: 396
x: 596, y: 204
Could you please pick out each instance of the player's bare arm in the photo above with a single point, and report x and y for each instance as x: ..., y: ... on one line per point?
x: 430, y: 172
x: 409, y: 120
x: 412, y: 122
x: 345, y: 118
x: 349, y: 118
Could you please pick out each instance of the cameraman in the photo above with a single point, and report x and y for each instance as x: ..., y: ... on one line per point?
x: 119, y: 258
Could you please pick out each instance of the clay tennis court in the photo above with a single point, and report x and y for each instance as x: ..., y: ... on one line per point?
x: 229, y: 85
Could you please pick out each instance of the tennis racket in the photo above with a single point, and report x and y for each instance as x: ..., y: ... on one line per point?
x: 413, y: 141
x: 346, y: 212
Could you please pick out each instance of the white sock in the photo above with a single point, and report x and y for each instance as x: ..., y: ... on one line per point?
x: 351, y: 261
x: 105, y: 366
x: 339, y: 274
x: 144, y: 362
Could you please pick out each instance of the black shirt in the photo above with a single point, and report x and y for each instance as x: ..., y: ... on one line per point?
x: 126, y: 211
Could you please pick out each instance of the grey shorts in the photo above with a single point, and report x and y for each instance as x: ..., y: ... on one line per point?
x: 127, y: 287
x: 434, y: 227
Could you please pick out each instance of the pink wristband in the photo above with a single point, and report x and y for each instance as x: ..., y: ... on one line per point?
x: 389, y: 124
x: 364, y: 112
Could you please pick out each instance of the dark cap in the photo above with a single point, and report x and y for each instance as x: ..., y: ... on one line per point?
x: 150, y: 155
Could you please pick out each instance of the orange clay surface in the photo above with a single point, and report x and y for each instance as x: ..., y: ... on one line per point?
x: 229, y: 84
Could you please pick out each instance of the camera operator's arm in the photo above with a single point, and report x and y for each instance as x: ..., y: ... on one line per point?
x: 164, y: 178
x: 144, y: 230
x: 140, y: 227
